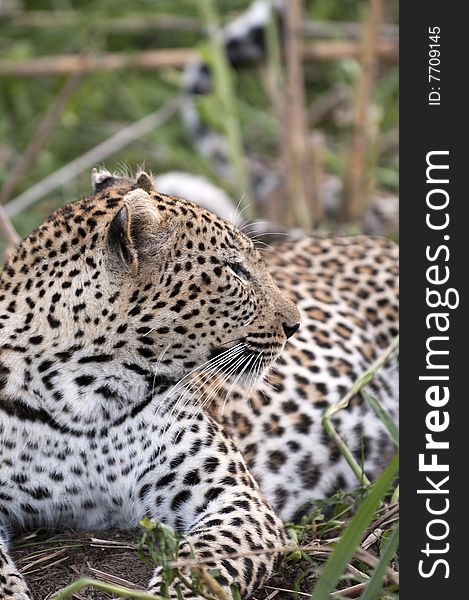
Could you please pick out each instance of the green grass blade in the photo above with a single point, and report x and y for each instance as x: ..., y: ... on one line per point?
x: 115, y: 590
x: 351, y: 537
x: 226, y: 95
x: 376, y: 582
x: 384, y: 416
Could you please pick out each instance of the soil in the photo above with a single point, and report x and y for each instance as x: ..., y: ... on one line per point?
x: 50, y: 561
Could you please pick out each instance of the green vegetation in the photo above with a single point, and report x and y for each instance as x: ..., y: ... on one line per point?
x: 105, y: 102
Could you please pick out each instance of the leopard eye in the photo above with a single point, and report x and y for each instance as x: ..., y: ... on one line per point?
x: 239, y: 270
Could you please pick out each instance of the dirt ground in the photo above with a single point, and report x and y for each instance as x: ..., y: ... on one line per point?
x: 49, y: 562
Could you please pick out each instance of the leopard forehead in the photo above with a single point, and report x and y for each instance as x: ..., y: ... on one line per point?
x: 77, y: 235
x: 81, y: 224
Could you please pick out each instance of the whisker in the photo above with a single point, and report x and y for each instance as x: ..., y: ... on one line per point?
x: 201, y: 367
x: 235, y: 361
x: 197, y: 408
x: 235, y: 382
x: 254, y: 375
x: 157, y: 364
x: 212, y: 366
x: 214, y: 363
x: 253, y: 224
x: 264, y: 233
x: 185, y: 381
x: 206, y: 401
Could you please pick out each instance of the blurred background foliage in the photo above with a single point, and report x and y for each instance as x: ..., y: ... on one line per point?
x: 105, y: 102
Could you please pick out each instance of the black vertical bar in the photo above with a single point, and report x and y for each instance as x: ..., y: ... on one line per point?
x: 434, y: 119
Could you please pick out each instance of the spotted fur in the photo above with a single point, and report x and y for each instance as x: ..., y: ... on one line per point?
x: 133, y: 329
x: 346, y: 292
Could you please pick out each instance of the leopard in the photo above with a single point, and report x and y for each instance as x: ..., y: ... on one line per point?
x: 155, y: 363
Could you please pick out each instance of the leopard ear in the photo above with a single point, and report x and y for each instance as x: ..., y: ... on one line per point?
x: 101, y: 179
x: 145, y: 182
x: 134, y: 229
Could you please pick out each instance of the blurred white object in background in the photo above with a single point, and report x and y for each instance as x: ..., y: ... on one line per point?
x: 201, y: 191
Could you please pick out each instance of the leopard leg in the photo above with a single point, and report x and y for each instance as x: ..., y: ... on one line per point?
x: 215, y: 502
x: 12, y: 584
x: 239, y: 523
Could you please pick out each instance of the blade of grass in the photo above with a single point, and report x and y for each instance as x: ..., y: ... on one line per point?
x: 351, y: 537
x: 84, y: 582
x: 384, y: 416
x: 359, y: 384
x: 395, y: 496
x: 376, y: 582
x: 224, y: 90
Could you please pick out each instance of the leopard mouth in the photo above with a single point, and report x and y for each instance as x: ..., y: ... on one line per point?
x: 232, y: 360
x: 240, y: 362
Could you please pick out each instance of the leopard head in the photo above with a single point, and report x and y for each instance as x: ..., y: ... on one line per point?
x: 131, y: 281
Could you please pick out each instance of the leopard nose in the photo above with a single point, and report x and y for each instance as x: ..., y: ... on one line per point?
x: 290, y: 329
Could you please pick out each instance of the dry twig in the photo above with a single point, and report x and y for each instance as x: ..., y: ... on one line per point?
x: 44, y: 129
x: 293, y: 592
x: 129, y: 23
x: 133, y: 23
x: 116, y: 142
x: 343, y: 30
x: 46, y: 557
x: 108, y: 578
x: 65, y: 64
x: 350, y: 592
x: 382, y: 519
x: 7, y: 228
x: 387, y: 50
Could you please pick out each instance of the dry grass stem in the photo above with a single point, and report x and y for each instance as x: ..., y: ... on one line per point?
x: 66, y: 64
x: 294, y: 123
x: 356, y: 184
x: 386, y: 50
x: 8, y: 230
x: 350, y: 592
x: 40, y: 136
